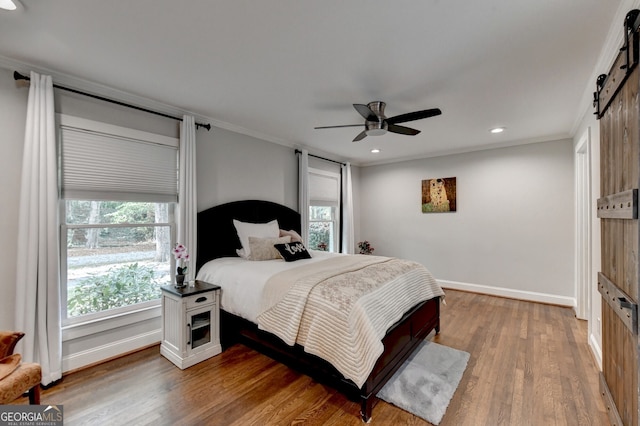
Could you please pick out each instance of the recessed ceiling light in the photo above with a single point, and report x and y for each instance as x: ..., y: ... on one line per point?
x: 497, y: 130
x: 375, y: 150
x: 9, y: 4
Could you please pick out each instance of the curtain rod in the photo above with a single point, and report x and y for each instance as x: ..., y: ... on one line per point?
x: 322, y: 158
x: 18, y: 76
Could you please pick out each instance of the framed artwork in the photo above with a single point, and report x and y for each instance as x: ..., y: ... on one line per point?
x: 439, y: 195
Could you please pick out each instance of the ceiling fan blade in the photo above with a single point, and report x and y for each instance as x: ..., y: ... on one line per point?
x: 416, y: 115
x: 366, y: 112
x: 360, y: 136
x: 342, y: 125
x: 394, y: 128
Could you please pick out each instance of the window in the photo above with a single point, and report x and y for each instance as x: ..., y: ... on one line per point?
x: 119, y: 188
x: 118, y: 254
x: 323, y: 227
x: 324, y: 210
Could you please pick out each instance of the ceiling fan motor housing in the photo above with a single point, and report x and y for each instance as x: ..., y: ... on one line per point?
x: 378, y: 109
x: 376, y: 127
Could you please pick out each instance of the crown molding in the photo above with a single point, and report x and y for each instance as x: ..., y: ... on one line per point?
x: 466, y: 150
x: 94, y: 88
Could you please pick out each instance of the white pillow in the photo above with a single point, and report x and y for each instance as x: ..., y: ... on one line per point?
x: 295, y: 237
x: 259, y: 230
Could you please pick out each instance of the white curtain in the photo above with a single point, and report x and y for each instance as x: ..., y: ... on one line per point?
x: 187, y: 194
x: 38, y: 278
x: 303, y: 194
x: 347, y: 210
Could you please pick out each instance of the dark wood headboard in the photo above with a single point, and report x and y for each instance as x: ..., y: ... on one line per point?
x: 217, y: 237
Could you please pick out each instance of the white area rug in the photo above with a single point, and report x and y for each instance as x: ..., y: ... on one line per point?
x: 426, y: 382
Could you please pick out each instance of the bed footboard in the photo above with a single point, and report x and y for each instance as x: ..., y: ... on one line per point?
x: 400, y: 342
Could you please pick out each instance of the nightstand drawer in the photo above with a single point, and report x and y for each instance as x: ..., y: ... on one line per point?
x: 201, y: 299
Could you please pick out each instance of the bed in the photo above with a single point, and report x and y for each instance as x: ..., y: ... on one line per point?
x: 218, y: 245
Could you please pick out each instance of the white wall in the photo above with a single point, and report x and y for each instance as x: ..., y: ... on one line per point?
x: 232, y: 167
x: 513, y: 231
x: 13, y: 113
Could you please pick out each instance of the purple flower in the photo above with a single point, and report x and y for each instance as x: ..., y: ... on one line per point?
x: 182, y: 257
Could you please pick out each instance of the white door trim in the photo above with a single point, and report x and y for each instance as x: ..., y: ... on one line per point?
x: 583, y: 225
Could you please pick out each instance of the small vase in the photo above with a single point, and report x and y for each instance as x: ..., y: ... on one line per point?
x: 180, y: 281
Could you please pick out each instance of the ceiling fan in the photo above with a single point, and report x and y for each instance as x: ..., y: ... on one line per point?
x: 376, y: 123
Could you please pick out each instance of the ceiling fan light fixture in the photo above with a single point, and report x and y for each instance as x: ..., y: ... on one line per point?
x: 376, y: 132
x: 376, y: 128
x: 375, y: 151
x: 9, y: 4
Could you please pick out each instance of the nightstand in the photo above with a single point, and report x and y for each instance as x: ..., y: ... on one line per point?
x: 190, y: 323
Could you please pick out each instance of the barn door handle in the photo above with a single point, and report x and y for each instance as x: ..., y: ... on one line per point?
x: 624, y: 303
x: 619, y: 303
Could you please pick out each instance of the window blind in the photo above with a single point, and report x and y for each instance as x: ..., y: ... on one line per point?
x: 105, y: 162
x: 324, y: 187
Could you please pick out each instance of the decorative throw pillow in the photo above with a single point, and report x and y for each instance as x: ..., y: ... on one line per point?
x: 260, y: 230
x: 293, y: 251
x: 8, y: 340
x: 293, y: 234
x: 263, y: 248
x: 9, y: 364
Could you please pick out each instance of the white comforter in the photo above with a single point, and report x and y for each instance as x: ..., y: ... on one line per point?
x: 242, y: 281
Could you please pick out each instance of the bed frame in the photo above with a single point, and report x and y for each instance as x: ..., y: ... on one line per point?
x: 217, y: 238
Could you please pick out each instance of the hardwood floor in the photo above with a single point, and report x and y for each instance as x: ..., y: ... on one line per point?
x: 529, y: 365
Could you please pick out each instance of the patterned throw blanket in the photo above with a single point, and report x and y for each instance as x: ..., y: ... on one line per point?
x: 340, y: 308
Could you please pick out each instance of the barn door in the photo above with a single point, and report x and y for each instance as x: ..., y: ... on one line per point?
x: 618, y: 282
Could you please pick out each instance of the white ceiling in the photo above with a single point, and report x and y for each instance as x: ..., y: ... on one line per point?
x: 276, y: 69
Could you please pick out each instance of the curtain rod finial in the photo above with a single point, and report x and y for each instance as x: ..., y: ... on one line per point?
x: 18, y: 76
x: 21, y: 80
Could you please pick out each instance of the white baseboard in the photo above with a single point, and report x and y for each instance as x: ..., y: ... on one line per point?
x: 510, y: 293
x: 596, y: 350
x: 113, y: 349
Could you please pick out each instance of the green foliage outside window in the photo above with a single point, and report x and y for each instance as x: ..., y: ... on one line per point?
x: 121, y: 286
x: 110, y: 212
x: 132, y: 213
x: 319, y: 232
x: 80, y: 211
